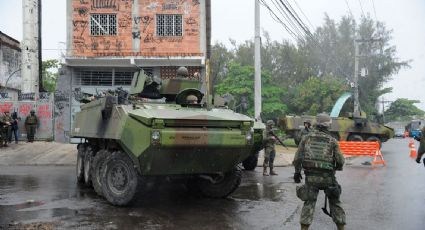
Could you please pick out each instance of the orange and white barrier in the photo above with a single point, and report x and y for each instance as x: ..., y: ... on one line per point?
x: 413, y: 152
x: 363, y: 148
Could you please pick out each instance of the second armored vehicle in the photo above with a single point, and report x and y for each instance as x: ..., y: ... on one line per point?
x: 162, y: 130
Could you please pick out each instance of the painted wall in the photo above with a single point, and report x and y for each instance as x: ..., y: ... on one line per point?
x: 44, y: 110
x: 136, y: 28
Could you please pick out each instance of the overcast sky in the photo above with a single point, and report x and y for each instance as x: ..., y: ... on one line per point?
x: 235, y: 19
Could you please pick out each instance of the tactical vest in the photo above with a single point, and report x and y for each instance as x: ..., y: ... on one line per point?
x: 318, y: 154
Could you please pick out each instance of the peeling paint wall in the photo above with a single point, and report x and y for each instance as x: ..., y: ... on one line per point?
x: 10, y: 62
x: 136, y: 28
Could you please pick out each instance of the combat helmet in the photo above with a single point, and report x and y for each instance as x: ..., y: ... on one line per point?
x: 270, y: 123
x: 192, y: 99
x: 182, y: 72
x: 323, y: 119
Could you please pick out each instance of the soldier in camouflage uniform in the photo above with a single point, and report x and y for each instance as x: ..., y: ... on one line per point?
x: 319, y: 155
x: 31, y: 123
x: 6, y: 122
x: 307, y: 128
x: 421, y: 149
x: 269, y: 149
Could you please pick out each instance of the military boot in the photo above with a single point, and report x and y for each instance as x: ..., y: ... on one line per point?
x: 272, y: 172
x: 265, y: 171
x: 340, y: 226
x: 304, y: 226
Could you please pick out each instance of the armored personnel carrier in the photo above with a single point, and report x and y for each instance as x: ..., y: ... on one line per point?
x: 160, y: 129
x: 350, y: 128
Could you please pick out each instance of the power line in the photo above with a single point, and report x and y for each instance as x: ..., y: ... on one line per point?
x: 374, y: 10
x: 349, y: 9
x: 299, y: 8
x: 361, y: 7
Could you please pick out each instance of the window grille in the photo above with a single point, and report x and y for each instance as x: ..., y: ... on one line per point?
x: 103, y: 24
x: 123, y: 78
x: 168, y: 72
x: 169, y: 25
x: 93, y: 78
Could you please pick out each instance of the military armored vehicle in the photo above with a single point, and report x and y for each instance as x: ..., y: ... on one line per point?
x: 157, y: 132
x: 251, y: 162
x: 350, y: 128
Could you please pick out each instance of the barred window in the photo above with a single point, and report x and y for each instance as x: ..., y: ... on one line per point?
x: 103, y: 24
x: 169, y: 25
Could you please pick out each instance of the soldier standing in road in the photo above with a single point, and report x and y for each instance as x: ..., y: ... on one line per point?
x: 269, y: 148
x: 31, y: 123
x: 5, y: 126
x: 2, y: 137
x: 15, y: 127
x: 319, y: 155
x: 421, y: 149
x: 307, y: 128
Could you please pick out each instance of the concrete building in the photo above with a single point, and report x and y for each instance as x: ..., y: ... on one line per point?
x: 108, y: 39
x: 10, y: 62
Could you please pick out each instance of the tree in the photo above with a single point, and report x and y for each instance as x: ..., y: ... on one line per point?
x: 403, y: 109
x: 317, y: 95
x: 50, y: 74
x: 239, y: 82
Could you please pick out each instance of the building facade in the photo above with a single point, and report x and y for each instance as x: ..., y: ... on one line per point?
x: 108, y: 40
x: 10, y: 62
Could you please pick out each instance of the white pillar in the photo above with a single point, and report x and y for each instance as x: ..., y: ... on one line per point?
x: 257, y: 58
x: 29, y: 46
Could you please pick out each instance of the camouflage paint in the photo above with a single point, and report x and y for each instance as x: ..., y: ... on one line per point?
x: 342, y: 127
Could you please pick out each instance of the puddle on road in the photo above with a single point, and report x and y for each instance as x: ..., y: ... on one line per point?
x: 259, y: 191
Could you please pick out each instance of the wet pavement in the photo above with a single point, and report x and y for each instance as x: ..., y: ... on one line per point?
x: 47, y: 197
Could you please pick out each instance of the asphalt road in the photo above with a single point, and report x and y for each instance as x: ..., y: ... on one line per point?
x: 391, y: 197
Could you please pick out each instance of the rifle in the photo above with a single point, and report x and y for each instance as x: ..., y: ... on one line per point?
x: 277, y: 138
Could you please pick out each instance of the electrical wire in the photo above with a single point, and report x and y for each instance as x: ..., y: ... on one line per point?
x: 374, y: 9
x: 349, y: 9
x: 361, y: 7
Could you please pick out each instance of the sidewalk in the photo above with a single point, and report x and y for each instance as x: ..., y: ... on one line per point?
x: 52, y: 153
x: 284, y: 157
x: 38, y: 153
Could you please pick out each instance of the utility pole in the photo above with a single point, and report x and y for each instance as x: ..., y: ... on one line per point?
x: 356, y: 72
x: 383, y: 101
x: 356, y: 80
x: 257, y: 60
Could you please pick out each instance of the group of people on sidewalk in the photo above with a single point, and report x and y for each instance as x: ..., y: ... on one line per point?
x: 9, y: 127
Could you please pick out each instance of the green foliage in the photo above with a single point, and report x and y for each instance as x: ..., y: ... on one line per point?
x: 403, y: 109
x: 317, y: 95
x: 314, y: 72
x: 50, y: 74
x: 240, y: 83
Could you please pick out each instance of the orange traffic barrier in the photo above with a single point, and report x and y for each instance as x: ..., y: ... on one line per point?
x: 413, y: 152
x: 363, y: 148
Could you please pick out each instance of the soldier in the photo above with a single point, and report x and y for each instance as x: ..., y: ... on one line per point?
x: 319, y: 155
x: 182, y: 72
x: 6, y: 128
x: 192, y: 99
x: 421, y: 149
x: 2, y: 137
x: 15, y: 127
x: 31, y: 123
x: 269, y: 149
x: 307, y: 128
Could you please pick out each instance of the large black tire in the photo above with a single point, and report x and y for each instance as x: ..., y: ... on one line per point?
x: 223, y: 186
x: 355, y: 137
x: 97, y: 165
x: 374, y: 138
x: 119, y: 179
x: 88, y: 163
x: 251, y: 162
x: 80, y: 164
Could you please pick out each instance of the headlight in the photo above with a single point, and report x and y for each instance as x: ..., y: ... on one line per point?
x: 156, y: 136
x: 248, y: 137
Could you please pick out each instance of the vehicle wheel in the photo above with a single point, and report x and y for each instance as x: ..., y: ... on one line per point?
x: 373, y: 138
x: 355, y: 137
x: 97, y: 165
x: 251, y: 162
x: 119, y: 179
x: 222, y: 186
x: 88, y: 160
x: 80, y: 164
